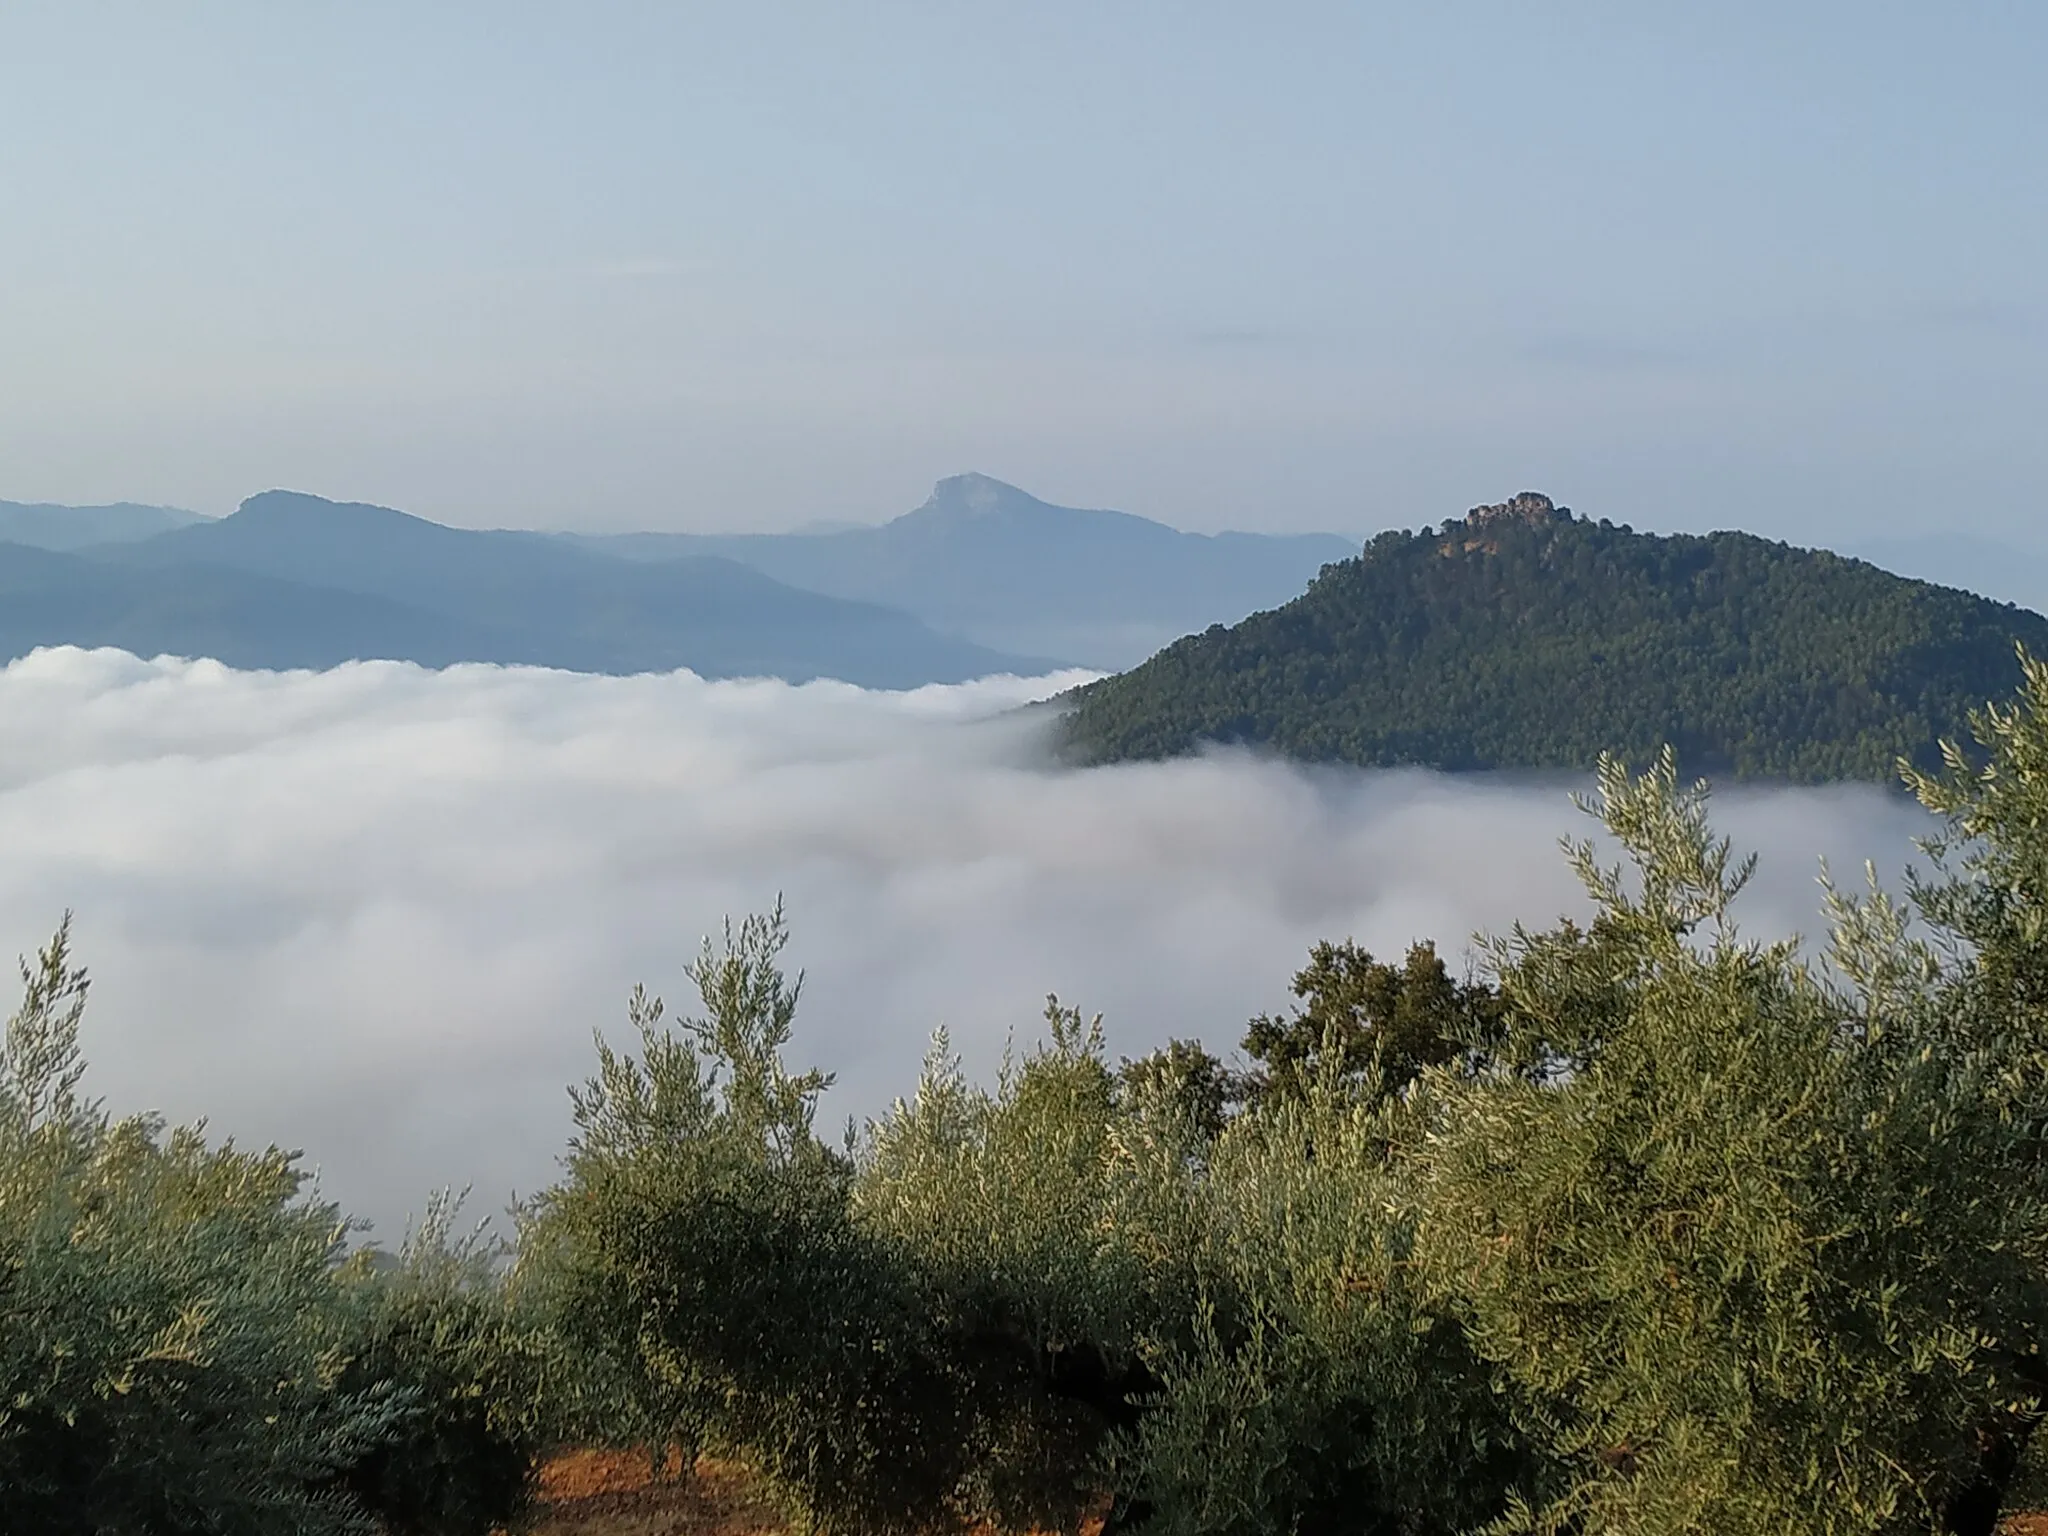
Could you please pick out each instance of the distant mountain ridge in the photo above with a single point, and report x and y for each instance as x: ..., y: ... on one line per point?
x: 982, y: 577
x: 292, y: 580
x: 984, y: 559
x: 1520, y: 636
x: 46, y: 525
x: 50, y: 597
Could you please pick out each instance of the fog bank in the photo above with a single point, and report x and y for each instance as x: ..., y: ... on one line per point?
x: 377, y: 912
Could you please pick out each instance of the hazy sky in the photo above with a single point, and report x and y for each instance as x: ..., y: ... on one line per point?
x: 377, y: 912
x: 1276, y: 266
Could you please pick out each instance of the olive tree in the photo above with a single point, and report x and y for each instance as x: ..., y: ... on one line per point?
x: 1757, y: 1242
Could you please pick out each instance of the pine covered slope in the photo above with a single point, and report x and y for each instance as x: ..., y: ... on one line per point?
x: 1523, y: 637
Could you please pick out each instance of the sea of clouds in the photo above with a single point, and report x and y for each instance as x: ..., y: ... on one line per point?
x: 377, y: 912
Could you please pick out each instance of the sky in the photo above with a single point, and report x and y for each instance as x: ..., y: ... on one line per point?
x: 377, y: 913
x: 1290, y: 266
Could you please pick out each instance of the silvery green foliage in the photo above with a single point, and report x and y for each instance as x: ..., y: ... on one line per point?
x: 1317, y: 1390
x: 1007, y: 1198
x: 1047, y: 1221
x: 478, y: 1367
x: 1989, y: 893
x: 1750, y: 1249
x: 1695, y: 1234
x: 723, y: 1073
x: 1012, y: 1302
x: 701, y: 1256
x: 184, y: 1347
x: 170, y: 1337
x: 848, y: 1322
x: 1234, y: 1297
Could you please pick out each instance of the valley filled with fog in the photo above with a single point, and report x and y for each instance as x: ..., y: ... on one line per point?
x: 376, y: 912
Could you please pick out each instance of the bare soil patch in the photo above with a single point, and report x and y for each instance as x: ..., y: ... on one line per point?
x: 619, y: 1493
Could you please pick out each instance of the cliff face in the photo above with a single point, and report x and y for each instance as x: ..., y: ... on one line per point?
x: 1480, y: 529
x: 1532, y: 508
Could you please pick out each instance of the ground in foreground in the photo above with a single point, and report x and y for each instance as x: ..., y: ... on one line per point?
x: 615, y: 1493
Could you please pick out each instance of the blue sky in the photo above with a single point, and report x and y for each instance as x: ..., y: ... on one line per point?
x: 1287, y: 266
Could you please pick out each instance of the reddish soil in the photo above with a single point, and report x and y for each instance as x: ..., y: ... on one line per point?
x: 618, y: 1493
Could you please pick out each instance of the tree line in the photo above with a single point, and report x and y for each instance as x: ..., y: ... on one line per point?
x: 1645, y: 1226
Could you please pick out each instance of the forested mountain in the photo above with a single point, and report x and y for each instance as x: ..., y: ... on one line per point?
x: 296, y: 581
x: 986, y: 560
x: 1522, y: 637
x: 1991, y: 567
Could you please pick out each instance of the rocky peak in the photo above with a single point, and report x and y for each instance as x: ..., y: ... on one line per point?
x: 975, y: 495
x: 1479, y: 531
x: 1531, y: 507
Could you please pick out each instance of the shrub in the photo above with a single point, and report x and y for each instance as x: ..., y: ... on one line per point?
x: 185, y: 1349
x: 1753, y: 1246
x: 434, y: 1325
x: 1317, y: 1390
x: 713, y: 1254
x: 170, y: 1339
x: 1011, y: 1305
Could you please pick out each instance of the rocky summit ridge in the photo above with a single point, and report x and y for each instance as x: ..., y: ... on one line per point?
x: 1530, y: 507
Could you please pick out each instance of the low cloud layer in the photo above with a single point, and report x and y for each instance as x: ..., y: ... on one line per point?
x: 377, y: 912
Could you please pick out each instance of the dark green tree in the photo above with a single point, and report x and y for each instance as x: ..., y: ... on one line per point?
x: 1361, y: 1016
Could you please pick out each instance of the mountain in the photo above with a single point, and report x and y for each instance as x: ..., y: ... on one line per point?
x: 986, y: 560
x: 53, y: 598
x: 45, y: 525
x: 1523, y: 637
x: 295, y: 580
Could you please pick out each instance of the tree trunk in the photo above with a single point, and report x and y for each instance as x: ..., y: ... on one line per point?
x: 1974, y: 1508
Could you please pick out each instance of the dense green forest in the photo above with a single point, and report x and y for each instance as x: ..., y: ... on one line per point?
x: 1523, y: 637
x: 1642, y: 1228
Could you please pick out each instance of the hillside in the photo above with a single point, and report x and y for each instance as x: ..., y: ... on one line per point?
x: 295, y: 580
x: 1523, y: 637
x: 986, y: 560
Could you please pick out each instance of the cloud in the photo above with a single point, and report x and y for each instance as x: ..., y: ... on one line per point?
x: 377, y: 912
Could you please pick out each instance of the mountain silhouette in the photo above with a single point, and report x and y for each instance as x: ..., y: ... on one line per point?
x: 984, y: 559
x: 296, y: 580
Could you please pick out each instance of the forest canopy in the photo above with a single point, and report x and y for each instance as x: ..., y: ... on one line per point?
x: 1521, y: 636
